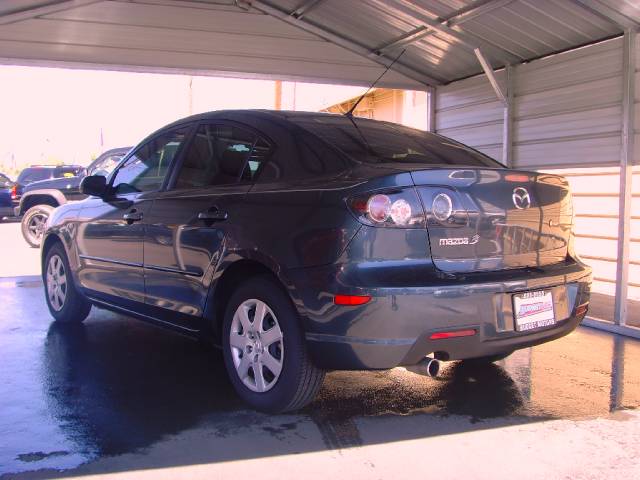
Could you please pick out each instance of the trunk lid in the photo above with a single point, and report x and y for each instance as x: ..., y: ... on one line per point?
x: 503, y: 219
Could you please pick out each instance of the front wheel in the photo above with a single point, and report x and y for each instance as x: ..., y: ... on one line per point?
x: 65, y: 303
x: 34, y: 222
x: 264, y: 349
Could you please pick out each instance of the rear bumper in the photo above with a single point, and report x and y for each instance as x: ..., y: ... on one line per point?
x: 395, y: 327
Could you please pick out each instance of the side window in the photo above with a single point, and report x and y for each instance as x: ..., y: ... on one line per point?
x: 67, y: 172
x: 308, y: 157
x: 144, y: 171
x: 220, y: 155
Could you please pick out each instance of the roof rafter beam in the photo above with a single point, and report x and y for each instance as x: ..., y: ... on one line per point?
x: 51, y: 7
x: 404, y: 39
x: 305, y: 8
x: 486, y: 66
x: 460, y: 16
x: 346, y: 43
x: 470, y: 41
x: 471, y: 12
x: 608, y: 13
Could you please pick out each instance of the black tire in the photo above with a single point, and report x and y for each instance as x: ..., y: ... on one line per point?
x: 487, y: 359
x: 299, y: 379
x: 74, y: 308
x: 33, y: 223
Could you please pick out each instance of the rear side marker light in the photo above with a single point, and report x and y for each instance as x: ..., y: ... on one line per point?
x: 14, y: 192
x: 582, y: 309
x: 351, y: 299
x: 454, y: 334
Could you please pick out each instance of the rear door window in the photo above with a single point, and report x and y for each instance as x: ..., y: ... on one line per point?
x: 30, y: 175
x: 222, y: 154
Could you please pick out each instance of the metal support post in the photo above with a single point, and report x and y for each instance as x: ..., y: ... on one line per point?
x: 626, y: 165
x: 507, y: 122
x: 431, y: 109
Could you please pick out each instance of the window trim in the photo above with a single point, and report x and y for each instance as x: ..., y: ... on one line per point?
x: 173, y: 178
x: 177, y: 157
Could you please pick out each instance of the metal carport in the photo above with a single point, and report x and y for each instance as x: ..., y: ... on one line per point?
x: 571, y: 110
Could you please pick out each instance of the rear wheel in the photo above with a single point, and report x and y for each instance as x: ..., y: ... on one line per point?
x: 34, y: 222
x: 264, y: 349
x: 65, y: 303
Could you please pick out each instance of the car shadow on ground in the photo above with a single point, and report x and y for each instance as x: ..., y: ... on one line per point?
x: 116, y: 386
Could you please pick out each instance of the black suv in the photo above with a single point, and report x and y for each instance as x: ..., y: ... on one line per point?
x: 49, y: 187
x: 305, y: 242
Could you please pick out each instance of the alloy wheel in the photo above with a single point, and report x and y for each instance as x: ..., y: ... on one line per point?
x: 36, y: 226
x: 257, y: 346
x: 56, y: 283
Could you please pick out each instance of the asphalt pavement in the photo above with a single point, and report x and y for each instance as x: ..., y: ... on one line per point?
x: 118, y: 398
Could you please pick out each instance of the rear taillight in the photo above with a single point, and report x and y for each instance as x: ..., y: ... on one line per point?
x: 14, y: 192
x: 389, y: 208
x: 444, y: 206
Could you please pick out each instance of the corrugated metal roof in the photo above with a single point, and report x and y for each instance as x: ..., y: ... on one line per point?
x: 334, y: 41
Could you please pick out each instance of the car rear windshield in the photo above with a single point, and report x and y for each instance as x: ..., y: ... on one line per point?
x: 386, y: 143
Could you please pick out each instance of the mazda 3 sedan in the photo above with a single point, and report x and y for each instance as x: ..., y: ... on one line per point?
x: 305, y: 242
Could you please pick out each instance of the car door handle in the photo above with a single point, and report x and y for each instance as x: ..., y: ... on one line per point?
x: 213, y: 216
x: 132, y: 216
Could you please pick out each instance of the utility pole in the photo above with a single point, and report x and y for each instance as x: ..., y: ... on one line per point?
x: 278, y: 95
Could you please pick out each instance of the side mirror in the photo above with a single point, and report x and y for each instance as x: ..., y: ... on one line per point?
x: 94, y: 185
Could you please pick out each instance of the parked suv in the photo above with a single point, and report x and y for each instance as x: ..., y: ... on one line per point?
x: 39, y: 198
x: 6, y: 188
x: 305, y: 242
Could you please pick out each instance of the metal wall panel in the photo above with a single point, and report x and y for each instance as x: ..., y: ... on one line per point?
x: 567, y: 110
x: 567, y: 114
x: 469, y: 111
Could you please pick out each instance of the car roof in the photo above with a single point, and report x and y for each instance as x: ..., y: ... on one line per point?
x: 285, y: 115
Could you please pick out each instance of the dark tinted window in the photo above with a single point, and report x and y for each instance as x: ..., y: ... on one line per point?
x: 306, y: 157
x: 378, y: 142
x: 146, y: 168
x: 220, y: 155
x: 30, y: 175
x: 64, y: 172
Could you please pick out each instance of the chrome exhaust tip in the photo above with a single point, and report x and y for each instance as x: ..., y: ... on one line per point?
x: 428, y: 366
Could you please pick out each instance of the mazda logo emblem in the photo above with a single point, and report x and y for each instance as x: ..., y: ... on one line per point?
x: 521, y: 198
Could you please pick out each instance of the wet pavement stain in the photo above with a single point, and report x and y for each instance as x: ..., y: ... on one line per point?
x: 112, y: 386
x: 37, y: 456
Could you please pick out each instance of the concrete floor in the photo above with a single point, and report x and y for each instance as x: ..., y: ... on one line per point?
x: 118, y: 398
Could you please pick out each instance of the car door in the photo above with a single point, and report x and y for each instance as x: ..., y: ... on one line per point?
x: 194, y: 221
x: 111, y: 230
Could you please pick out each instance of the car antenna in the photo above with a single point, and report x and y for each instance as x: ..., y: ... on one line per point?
x: 350, y: 112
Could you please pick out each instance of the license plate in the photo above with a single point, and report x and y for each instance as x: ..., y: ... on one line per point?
x: 533, y: 310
